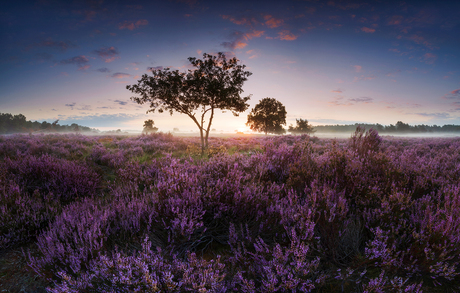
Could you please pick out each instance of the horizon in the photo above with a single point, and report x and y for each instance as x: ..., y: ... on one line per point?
x: 335, y: 62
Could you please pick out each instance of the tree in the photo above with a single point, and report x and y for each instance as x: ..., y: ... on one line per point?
x: 268, y: 116
x: 214, y: 83
x: 302, y: 126
x: 148, y: 126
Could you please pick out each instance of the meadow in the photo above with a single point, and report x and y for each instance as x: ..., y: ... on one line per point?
x: 286, y: 213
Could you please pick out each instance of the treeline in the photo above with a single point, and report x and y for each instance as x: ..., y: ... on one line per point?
x: 19, y: 124
x: 400, y: 127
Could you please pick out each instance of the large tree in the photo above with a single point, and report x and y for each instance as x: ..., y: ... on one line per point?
x: 214, y: 83
x: 268, y: 116
x: 148, y: 127
x: 302, y: 126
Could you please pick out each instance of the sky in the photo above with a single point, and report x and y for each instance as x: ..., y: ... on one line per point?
x: 330, y: 62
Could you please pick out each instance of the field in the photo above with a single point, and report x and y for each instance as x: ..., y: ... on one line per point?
x: 255, y: 214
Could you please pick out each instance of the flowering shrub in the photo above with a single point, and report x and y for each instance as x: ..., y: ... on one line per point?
x: 276, y: 214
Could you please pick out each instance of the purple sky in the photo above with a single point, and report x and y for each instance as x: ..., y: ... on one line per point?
x: 331, y: 62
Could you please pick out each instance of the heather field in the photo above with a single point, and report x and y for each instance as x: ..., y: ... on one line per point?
x: 254, y: 214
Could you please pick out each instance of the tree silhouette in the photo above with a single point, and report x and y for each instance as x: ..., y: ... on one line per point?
x: 214, y: 83
x: 148, y: 126
x: 268, y: 116
x: 302, y: 126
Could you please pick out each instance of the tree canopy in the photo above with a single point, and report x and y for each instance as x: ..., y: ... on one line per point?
x: 302, y: 126
x: 214, y: 83
x: 148, y: 126
x: 268, y: 116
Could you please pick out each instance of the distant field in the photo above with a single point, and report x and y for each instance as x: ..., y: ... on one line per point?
x: 256, y: 213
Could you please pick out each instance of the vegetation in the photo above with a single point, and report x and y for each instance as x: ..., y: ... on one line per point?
x: 215, y: 83
x: 259, y: 214
x: 302, y: 127
x: 148, y: 127
x: 268, y: 116
x: 400, y: 127
x: 18, y: 124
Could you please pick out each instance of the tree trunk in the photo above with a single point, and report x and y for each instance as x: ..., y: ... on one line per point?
x: 209, y: 126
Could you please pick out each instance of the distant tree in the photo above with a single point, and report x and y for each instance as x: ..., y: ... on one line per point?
x: 268, y: 116
x: 148, y: 126
x: 176, y: 129
x: 402, y: 127
x: 302, y: 126
x: 214, y: 83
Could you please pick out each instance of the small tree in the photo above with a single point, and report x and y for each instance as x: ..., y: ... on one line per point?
x: 268, y: 116
x: 148, y: 126
x: 215, y: 83
x: 302, y: 126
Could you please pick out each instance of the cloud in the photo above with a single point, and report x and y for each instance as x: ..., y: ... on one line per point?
x: 155, y: 68
x: 273, y: 22
x: 365, y: 100
x: 429, y: 58
x: 358, y: 68
x: 71, y: 105
x: 340, y: 101
x: 60, y: 45
x: 247, y: 21
x: 84, y: 67
x: 395, y: 20
x: 120, y: 75
x: 240, y: 39
x: 337, y: 91
x: 421, y: 41
x: 103, y: 70
x: 80, y: 61
x: 287, y: 35
x: 362, y: 77
x: 368, y: 30
x: 122, y: 103
x: 435, y: 115
x: 132, y: 25
x: 108, y: 54
x: 453, y: 95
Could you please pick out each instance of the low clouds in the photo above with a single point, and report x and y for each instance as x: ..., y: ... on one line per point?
x: 341, y: 101
x: 453, y: 95
x: 133, y: 25
x: 121, y: 103
x: 273, y: 22
x: 120, y: 75
x: 240, y: 39
x: 358, y: 68
x: 108, y: 54
x: 71, y: 105
x: 103, y: 70
x: 247, y: 21
x: 337, y: 91
x: 287, y: 35
x: 368, y: 30
x: 81, y: 61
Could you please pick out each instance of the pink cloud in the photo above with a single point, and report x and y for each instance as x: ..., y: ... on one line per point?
x: 368, y: 30
x: 133, y: 25
x: 358, y: 68
x: 241, y: 21
x: 395, y: 20
x: 337, y: 91
x: 84, y: 67
x: 272, y: 22
x: 287, y: 35
x: 429, y: 58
